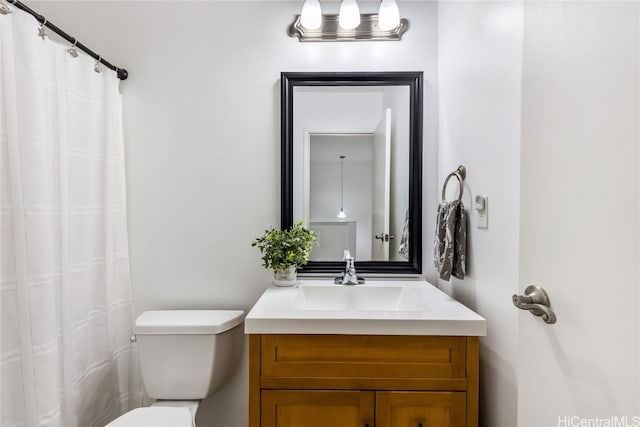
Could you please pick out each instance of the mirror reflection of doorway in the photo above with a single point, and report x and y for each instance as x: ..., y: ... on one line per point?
x: 349, y: 192
x: 332, y: 188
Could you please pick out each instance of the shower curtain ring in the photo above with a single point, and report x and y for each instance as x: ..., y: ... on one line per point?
x: 4, y: 8
x: 98, y: 67
x: 41, y: 28
x: 72, y: 50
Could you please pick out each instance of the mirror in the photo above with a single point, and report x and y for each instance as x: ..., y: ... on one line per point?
x: 352, y: 167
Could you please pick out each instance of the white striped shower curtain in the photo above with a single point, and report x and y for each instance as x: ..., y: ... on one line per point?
x: 65, y: 292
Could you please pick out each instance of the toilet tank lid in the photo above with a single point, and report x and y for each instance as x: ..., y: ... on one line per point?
x: 157, y: 322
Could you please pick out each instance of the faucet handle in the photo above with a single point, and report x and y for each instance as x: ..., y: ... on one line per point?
x: 347, y: 255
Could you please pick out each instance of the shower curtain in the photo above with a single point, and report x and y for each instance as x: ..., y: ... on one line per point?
x: 65, y: 294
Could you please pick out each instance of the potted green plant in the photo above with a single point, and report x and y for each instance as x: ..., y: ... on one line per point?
x: 284, y: 251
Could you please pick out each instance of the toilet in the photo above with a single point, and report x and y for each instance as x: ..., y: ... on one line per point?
x: 185, y: 356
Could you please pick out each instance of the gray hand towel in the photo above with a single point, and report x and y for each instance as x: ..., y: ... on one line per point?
x: 403, y: 248
x: 450, y: 243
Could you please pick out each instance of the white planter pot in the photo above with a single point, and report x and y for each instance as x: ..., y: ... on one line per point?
x: 288, y: 277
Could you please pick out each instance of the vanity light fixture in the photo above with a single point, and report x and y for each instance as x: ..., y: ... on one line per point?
x: 349, y: 24
x: 341, y: 214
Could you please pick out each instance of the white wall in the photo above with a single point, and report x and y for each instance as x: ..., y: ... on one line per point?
x: 480, y: 76
x: 202, y: 129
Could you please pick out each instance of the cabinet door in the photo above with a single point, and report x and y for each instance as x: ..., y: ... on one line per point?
x: 420, y: 409
x: 305, y: 408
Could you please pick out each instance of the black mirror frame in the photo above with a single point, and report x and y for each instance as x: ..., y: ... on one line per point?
x: 412, y: 79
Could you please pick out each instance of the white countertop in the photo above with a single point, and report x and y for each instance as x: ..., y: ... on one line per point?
x: 379, y: 307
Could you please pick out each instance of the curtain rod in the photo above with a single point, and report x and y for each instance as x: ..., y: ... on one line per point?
x: 121, y: 72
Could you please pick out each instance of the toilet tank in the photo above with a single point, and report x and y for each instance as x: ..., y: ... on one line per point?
x: 188, y: 354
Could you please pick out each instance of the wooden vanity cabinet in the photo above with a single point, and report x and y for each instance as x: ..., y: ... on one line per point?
x: 363, y: 380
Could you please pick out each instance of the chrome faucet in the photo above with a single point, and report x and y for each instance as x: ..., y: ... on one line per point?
x: 349, y: 277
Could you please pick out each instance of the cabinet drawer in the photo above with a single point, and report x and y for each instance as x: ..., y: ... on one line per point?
x: 427, y: 409
x: 363, y: 357
x: 304, y: 408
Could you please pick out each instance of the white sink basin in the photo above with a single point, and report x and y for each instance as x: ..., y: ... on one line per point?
x: 358, y: 298
x: 379, y: 307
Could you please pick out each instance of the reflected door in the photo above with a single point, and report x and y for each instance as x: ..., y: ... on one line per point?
x: 381, y: 187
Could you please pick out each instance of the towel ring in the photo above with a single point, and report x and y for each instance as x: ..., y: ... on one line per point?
x: 460, y: 174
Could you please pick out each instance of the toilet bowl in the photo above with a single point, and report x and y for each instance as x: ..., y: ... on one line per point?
x: 185, y: 356
x: 156, y: 416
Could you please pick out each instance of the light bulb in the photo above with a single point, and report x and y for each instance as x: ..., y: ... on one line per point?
x: 342, y: 214
x: 349, y: 17
x: 311, y: 15
x: 389, y: 15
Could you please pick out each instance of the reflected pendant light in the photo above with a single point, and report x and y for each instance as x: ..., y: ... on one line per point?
x: 349, y: 16
x: 341, y: 214
x: 388, y: 15
x: 311, y: 15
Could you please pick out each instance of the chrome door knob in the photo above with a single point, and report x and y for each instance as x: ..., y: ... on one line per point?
x: 384, y: 237
x: 536, y: 300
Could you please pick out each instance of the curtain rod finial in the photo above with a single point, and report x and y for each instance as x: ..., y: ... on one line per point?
x: 122, y: 74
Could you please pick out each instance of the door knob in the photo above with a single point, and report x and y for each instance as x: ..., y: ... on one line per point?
x: 536, y: 300
x: 384, y: 237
